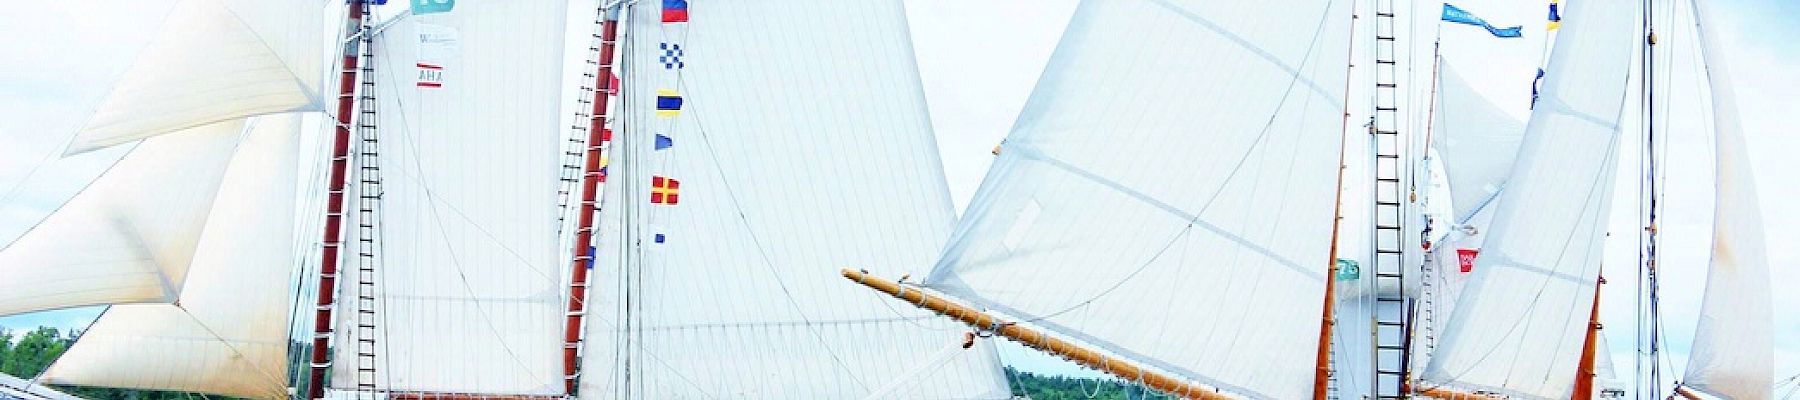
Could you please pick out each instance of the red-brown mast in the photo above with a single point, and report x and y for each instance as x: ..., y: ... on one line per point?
x: 334, y: 204
x: 584, y: 221
x: 1584, y: 372
x: 1322, y: 363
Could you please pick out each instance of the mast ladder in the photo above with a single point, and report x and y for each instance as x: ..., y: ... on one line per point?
x: 582, y: 165
x: 1388, y: 328
x: 356, y: 17
x: 368, y: 231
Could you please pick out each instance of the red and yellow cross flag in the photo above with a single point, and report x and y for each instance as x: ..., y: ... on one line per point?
x: 664, y: 190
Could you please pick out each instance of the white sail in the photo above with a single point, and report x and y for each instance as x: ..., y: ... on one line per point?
x: 227, y: 333
x: 1476, y: 141
x: 1518, y: 327
x: 1606, y: 377
x: 216, y: 60
x: 802, y: 146
x: 468, y: 266
x: 1731, y: 356
x: 130, y: 235
x: 1167, y: 195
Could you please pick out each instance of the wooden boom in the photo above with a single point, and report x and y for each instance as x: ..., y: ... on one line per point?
x: 1037, y: 339
x: 1451, y: 394
x: 1683, y: 392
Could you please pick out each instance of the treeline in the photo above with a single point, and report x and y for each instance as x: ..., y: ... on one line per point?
x: 1057, y: 387
x: 26, y: 355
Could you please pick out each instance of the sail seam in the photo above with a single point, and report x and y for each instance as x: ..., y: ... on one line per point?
x: 1031, y: 153
x: 1252, y: 48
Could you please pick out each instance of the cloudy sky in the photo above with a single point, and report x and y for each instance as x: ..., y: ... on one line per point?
x: 980, y: 60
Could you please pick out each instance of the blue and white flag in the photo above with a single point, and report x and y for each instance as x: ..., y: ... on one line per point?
x: 1457, y: 15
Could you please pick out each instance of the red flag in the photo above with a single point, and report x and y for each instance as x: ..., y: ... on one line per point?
x: 665, y: 190
x: 1466, y: 257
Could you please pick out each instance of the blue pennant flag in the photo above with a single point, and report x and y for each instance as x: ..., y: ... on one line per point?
x: 664, y: 142
x: 1457, y: 15
x: 1535, y: 84
x: 659, y: 238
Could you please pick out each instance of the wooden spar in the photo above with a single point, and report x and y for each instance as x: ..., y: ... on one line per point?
x: 1037, y: 339
x: 1683, y: 392
x: 463, y: 396
x: 1448, y: 394
x: 334, y: 206
x: 1430, y: 112
x: 584, y: 228
x: 1322, y: 372
x: 1584, y: 372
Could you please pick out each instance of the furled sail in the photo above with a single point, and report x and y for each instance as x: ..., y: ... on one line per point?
x: 130, y: 235
x: 227, y: 332
x: 1519, y: 325
x: 467, y: 264
x: 1167, y: 194
x: 766, y: 145
x: 217, y: 60
x: 1731, y: 355
x: 1476, y: 141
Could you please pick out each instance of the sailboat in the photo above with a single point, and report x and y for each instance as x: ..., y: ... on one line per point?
x: 444, y: 229
x: 1730, y: 358
x: 490, y: 210
x: 1177, y: 241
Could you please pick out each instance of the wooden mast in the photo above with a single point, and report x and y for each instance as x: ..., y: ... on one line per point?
x: 1430, y: 113
x: 1322, y: 371
x: 334, y: 204
x: 590, y: 183
x: 1037, y: 339
x: 1584, y: 373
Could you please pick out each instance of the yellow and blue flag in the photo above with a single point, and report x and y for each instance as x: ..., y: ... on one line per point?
x: 1457, y: 15
x: 668, y: 103
x: 1555, y: 16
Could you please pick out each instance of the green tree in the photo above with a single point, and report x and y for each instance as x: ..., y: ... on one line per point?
x: 1056, y: 387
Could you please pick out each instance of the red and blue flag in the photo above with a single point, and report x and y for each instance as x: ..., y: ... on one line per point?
x: 674, y: 11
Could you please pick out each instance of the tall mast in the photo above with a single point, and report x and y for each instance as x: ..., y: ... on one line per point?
x: 582, y: 259
x: 1323, y: 377
x: 334, y: 204
x: 1430, y: 262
